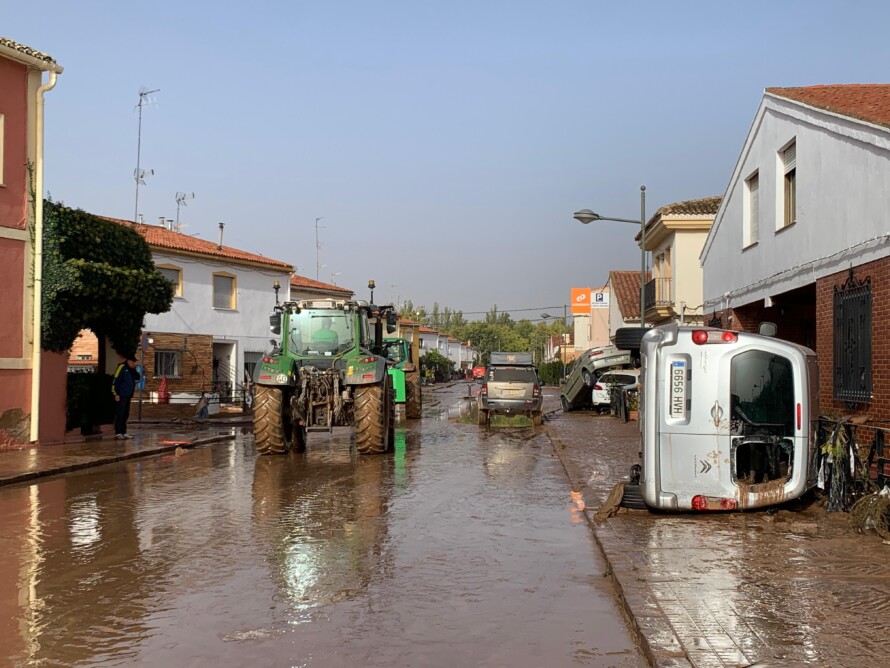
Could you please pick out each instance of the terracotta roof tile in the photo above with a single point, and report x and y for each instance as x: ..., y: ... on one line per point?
x: 27, y: 50
x: 707, y: 206
x: 163, y: 239
x: 626, y: 288
x: 298, y: 281
x: 866, y: 102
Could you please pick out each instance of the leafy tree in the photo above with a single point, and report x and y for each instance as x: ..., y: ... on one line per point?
x: 98, y: 275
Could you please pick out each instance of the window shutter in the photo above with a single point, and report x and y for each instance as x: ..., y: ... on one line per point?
x: 790, y: 157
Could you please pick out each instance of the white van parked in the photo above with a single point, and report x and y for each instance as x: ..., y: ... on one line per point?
x: 728, y: 419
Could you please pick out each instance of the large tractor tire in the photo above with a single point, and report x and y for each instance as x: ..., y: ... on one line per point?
x: 391, y: 430
x: 271, y: 426
x: 372, y: 418
x: 413, y: 401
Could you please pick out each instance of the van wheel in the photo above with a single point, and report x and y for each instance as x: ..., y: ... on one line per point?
x: 633, y: 497
x: 566, y: 406
x: 587, y: 377
x: 538, y: 418
x: 482, y: 418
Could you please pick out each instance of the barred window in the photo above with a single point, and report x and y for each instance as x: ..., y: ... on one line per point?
x: 166, y: 363
x: 852, y: 340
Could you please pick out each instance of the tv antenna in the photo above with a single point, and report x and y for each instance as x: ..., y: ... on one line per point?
x: 317, y: 248
x: 334, y: 275
x: 180, y: 201
x: 140, y: 174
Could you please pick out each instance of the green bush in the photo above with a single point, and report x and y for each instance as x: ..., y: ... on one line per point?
x: 550, y: 373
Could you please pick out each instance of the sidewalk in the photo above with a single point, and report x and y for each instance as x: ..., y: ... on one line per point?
x: 29, y: 462
x: 786, y: 588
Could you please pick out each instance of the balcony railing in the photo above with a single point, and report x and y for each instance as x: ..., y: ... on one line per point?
x: 658, y: 293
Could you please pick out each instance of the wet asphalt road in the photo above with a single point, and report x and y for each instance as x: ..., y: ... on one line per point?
x: 464, y: 548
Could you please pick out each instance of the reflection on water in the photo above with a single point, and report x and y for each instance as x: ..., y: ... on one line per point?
x: 323, y: 521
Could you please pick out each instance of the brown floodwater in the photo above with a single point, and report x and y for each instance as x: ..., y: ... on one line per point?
x: 463, y: 548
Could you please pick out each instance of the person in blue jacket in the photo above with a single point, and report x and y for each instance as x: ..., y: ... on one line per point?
x: 126, y: 378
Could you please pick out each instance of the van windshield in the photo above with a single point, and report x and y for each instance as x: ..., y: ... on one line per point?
x: 762, y: 390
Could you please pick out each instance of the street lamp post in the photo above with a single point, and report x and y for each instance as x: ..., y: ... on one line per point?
x: 587, y: 216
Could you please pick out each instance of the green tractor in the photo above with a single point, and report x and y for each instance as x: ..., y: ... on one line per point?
x: 325, y: 370
x: 405, y: 372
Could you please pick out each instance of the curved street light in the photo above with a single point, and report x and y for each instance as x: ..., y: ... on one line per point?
x: 587, y: 216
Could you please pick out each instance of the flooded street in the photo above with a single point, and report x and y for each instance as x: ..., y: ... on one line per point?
x: 464, y: 548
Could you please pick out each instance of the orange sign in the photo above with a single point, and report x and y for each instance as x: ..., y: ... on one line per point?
x: 580, y: 300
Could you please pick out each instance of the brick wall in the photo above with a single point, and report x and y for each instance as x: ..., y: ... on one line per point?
x: 195, y: 361
x: 879, y: 406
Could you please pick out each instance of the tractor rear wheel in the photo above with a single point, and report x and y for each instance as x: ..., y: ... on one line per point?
x: 271, y: 426
x: 412, y: 396
x: 372, y: 424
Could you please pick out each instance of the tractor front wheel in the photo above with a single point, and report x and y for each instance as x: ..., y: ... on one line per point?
x: 372, y: 423
x: 271, y: 426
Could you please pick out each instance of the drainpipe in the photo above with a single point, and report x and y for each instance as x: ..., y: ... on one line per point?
x: 37, y: 348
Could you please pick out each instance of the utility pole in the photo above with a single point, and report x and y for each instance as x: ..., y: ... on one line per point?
x: 317, y: 248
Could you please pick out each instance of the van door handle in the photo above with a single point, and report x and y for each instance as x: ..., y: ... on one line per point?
x: 716, y: 413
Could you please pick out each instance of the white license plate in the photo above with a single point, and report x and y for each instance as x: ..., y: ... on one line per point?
x: 678, y: 391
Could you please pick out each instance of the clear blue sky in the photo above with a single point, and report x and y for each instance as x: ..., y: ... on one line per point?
x: 445, y: 144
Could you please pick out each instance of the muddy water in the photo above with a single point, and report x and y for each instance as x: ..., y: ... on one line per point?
x: 464, y: 548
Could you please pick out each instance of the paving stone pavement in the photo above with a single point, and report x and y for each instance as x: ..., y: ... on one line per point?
x: 788, y: 588
x: 30, y: 462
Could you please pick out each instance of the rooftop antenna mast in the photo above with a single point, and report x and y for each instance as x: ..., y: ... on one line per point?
x: 317, y: 248
x: 180, y: 201
x: 139, y: 174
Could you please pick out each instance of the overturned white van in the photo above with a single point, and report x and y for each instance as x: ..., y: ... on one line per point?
x: 727, y: 419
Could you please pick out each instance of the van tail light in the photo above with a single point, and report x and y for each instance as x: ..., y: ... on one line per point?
x: 701, y: 502
x: 799, y: 414
x: 484, y: 390
x: 705, y: 336
x: 536, y: 391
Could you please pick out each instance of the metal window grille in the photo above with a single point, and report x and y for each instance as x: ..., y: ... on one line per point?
x: 852, y: 340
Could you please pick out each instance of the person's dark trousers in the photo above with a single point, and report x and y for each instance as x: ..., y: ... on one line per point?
x: 121, y: 413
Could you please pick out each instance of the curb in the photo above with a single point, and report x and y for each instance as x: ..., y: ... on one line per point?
x: 654, y: 655
x: 111, y: 459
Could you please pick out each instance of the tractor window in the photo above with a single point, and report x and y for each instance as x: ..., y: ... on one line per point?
x: 393, y: 350
x: 321, y: 332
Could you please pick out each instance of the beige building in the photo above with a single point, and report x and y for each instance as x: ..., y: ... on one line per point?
x: 675, y: 236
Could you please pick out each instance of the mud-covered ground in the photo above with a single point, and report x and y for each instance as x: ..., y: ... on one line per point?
x: 789, y: 586
x: 463, y: 548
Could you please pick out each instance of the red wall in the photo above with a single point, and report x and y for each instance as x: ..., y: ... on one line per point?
x: 12, y: 276
x: 14, y: 107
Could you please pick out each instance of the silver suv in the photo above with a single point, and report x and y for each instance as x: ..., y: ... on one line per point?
x: 510, y: 388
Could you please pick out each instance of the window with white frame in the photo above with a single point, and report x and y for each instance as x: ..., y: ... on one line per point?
x: 223, y: 291
x: 166, y: 364
x: 789, y: 184
x: 752, y: 209
x: 173, y: 274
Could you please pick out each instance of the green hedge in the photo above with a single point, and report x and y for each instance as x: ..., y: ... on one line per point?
x: 98, y: 275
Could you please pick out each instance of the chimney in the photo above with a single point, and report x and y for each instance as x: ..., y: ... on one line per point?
x: 161, y: 221
x: 219, y: 245
x: 170, y: 225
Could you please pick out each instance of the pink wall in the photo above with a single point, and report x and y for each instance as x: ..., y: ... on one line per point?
x: 12, y: 275
x: 14, y: 107
x: 53, y: 396
x: 15, y: 390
